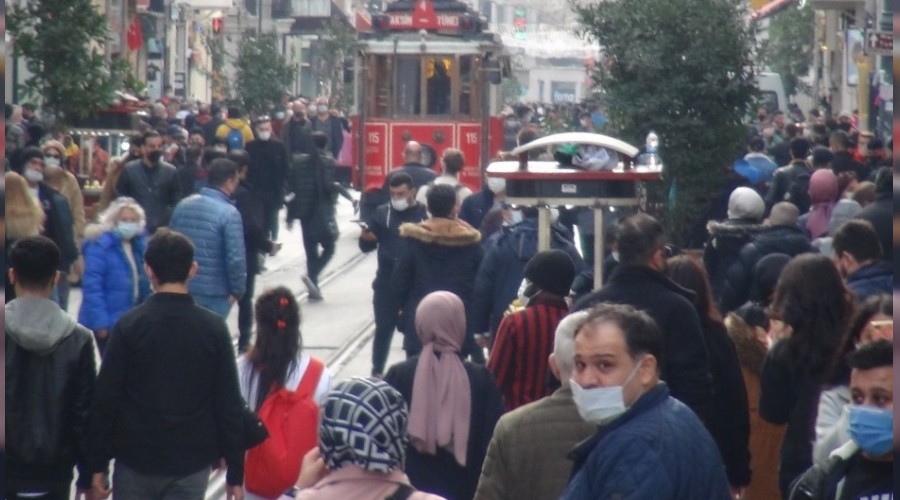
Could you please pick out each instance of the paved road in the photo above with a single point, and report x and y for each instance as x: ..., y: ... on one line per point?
x: 337, y: 329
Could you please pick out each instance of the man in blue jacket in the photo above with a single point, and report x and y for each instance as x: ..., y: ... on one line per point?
x: 649, y: 444
x: 858, y: 254
x: 213, y: 224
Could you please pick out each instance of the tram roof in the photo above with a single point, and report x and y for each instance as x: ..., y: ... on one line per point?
x: 588, y: 138
x: 413, y: 43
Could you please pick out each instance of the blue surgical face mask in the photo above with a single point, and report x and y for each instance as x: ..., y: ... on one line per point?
x: 127, y: 230
x: 601, y: 405
x: 872, y: 429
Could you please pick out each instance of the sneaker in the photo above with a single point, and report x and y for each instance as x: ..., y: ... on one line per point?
x: 314, y: 292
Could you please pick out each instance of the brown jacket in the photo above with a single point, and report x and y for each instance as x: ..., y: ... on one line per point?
x: 67, y: 185
x: 765, y: 437
x: 528, y: 455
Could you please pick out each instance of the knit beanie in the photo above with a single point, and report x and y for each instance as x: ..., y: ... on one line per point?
x: 551, y: 271
x: 745, y: 203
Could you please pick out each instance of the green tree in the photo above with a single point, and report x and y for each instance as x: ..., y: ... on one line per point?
x: 336, y: 46
x: 263, y: 74
x: 789, y: 50
x: 62, y: 43
x: 683, y: 70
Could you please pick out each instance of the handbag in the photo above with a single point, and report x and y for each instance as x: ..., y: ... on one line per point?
x: 255, y: 431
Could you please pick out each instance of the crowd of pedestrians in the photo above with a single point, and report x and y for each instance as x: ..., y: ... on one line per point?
x: 757, y: 368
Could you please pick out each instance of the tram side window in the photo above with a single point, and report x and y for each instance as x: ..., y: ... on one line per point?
x: 381, y: 82
x: 409, y: 73
x: 466, y: 94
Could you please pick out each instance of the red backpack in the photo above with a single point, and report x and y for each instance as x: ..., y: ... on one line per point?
x: 292, y: 419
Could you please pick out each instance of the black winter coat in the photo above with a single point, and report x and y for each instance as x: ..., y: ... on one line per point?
x: 438, y: 254
x: 373, y: 198
x: 385, y: 225
x: 50, y: 378
x: 157, y: 190
x: 726, y: 240
x: 738, y: 278
x: 255, y: 240
x: 730, y: 425
x: 267, y: 173
x: 311, y: 179
x: 781, y: 182
x: 297, y: 137
x: 685, y: 366
x: 439, y: 473
x: 58, y: 225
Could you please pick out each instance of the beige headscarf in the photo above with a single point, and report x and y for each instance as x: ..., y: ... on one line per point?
x: 442, y: 396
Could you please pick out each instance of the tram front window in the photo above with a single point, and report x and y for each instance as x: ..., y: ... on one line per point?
x: 439, y: 89
x: 409, y: 72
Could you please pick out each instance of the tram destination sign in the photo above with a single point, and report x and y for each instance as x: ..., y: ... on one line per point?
x: 423, y: 16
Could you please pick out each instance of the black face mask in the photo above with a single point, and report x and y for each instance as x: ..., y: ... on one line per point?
x: 154, y: 156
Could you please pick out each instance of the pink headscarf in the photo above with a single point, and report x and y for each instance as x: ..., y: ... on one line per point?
x: 823, y: 194
x: 442, y: 397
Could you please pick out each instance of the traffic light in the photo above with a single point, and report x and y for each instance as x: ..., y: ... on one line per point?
x: 217, y: 25
x: 519, y: 22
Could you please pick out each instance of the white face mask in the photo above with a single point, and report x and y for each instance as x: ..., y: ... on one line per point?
x: 496, y: 184
x: 51, y: 162
x: 524, y: 298
x: 265, y: 136
x: 516, y: 217
x: 399, y: 204
x: 33, y: 175
x: 601, y: 405
x: 312, y: 109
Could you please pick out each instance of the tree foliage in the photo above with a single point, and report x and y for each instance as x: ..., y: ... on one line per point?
x: 263, y: 74
x: 789, y: 50
x: 336, y: 46
x: 62, y: 43
x: 684, y: 70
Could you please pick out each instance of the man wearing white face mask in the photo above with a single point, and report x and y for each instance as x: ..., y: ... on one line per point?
x: 526, y: 459
x: 58, y: 225
x: 649, y: 444
x: 382, y: 231
x: 267, y: 173
x: 492, y: 194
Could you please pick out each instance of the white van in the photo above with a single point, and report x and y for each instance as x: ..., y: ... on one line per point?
x: 771, y: 89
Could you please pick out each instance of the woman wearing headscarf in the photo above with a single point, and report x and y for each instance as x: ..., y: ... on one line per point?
x: 454, y: 405
x: 362, y: 446
x: 114, y: 278
x: 823, y: 195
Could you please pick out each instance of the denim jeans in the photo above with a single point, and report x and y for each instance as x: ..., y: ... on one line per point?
x: 129, y: 484
x: 215, y: 303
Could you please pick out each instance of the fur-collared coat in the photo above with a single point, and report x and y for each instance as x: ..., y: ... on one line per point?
x: 726, y: 239
x: 435, y: 255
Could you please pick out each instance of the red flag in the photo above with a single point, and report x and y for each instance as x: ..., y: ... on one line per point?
x: 135, y: 36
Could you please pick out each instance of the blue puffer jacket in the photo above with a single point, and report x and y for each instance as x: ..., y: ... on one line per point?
x: 871, y: 279
x: 658, y: 449
x: 213, y: 224
x: 108, y: 282
x: 503, y: 268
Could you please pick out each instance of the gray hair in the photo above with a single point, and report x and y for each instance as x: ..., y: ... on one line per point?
x: 564, y: 344
x: 110, y: 216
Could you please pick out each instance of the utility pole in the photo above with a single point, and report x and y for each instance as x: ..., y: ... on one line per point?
x: 180, y: 82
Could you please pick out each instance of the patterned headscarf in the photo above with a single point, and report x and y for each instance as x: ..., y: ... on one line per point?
x: 364, y: 423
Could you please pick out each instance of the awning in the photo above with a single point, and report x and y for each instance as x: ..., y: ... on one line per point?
x: 770, y: 9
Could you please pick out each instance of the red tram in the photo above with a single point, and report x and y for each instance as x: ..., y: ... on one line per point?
x: 429, y: 72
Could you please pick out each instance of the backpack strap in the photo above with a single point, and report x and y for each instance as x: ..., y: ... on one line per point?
x: 310, y: 380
